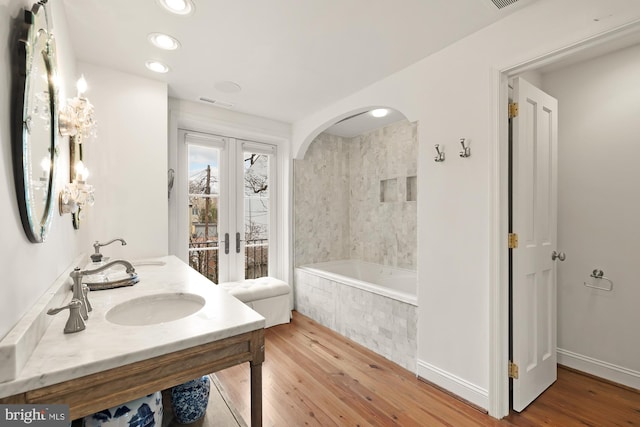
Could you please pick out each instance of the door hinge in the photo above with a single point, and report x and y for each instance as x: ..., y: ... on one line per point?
x: 513, y: 110
x: 513, y: 370
x: 513, y: 240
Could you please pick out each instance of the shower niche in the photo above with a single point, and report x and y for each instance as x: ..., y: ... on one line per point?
x: 389, y: 190
x: 412, y: 189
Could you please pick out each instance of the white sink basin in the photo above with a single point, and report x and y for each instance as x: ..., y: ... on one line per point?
x: 154, y: 309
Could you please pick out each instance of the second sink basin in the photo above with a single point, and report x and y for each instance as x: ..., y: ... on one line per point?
x: 154, y: 309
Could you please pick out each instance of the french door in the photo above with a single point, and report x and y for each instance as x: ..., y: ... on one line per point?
x: 228, y: 215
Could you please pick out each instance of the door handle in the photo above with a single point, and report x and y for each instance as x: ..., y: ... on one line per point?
x: 226, y: 243
x: 559, y: 255
x: 238, y: 242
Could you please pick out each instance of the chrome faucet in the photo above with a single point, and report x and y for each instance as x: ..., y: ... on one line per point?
x: 79, y: 307
x: 97, y: 256
x: 126, y: 264
x: 81, y: 290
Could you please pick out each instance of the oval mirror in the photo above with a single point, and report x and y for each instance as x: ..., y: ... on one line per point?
x: 35, y: 124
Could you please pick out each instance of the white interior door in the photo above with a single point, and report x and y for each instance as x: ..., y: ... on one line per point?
x: 534, y: 220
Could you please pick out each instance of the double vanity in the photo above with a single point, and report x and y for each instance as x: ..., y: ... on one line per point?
x: 171, y: 327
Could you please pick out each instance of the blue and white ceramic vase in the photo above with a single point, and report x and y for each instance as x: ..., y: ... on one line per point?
x: 143, y: 412
x: 190, y: 400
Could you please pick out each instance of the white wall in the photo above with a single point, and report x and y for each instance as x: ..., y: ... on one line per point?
x: 454, y: 94
x: 598, y: 211
x: 127, y: 163
x: 28, y: 269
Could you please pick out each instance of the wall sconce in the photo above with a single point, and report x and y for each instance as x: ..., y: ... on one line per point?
x: 77, y: 121
x: 77, y: 117
x: 78, y: 193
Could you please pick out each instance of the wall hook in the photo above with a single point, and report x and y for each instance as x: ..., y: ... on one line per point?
x: 440, y: 156
x: 170, y: 175
x: 466, y: 149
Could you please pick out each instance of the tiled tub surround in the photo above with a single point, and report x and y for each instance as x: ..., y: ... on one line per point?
x: 382, y: 317
x: 337, y: 198
x: 321, y: 202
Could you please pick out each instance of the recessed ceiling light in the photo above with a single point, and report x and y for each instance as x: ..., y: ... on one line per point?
x: 180, y: 7
x: 228, y: 87
x: 163, y: 41
x: 157, y: 66
x: 379, y: 112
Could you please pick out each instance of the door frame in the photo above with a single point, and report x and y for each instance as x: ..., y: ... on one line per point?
x: 193, y: 117
x: 499, y: 336
x: 231, y: 199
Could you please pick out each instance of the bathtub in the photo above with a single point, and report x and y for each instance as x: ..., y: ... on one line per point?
x: 391, y: 282
x: 372, y: 304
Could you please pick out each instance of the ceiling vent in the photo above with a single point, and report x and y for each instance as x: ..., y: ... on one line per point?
x: 503, y: 3
x: 217, y: 102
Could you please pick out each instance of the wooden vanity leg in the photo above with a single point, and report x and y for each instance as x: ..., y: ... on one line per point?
x: 256, y: 395
x: 257, y: 357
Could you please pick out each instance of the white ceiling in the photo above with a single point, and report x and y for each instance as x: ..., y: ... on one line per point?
x: 290, y: 57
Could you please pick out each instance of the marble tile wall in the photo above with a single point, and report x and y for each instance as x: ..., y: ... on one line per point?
x: 338, y: 212
x: 383, y: 325
x: 383, y: 232
x: 321, y: 206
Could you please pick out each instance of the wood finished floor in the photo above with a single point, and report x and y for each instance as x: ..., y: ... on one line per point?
x: 313, y: 376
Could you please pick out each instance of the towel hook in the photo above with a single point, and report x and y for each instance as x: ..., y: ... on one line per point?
x: 440, y: 156
x: 466, y: 149
x: 170, y: 177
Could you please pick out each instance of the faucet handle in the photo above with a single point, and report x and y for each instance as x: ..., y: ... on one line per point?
x: 85, y: 293
x: 75, y: 323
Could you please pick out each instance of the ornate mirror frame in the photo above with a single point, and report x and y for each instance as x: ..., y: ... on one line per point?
x: 35, y: 123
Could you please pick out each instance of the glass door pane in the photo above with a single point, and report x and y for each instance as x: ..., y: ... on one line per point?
x: 227, y: 212
x: 204, y: 201
x: 257, y: 213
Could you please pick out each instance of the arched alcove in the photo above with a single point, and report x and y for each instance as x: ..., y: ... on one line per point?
x: 307, y: 137
x: 355, y: 191
x: 355, y: 205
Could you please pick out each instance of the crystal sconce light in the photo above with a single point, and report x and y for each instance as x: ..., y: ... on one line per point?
x: 77, y: 194
x: 77, y: 117
x: 77, y: 121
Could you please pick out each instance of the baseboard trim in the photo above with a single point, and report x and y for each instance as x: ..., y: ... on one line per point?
x: 467, y: 391
x: 599, y: 368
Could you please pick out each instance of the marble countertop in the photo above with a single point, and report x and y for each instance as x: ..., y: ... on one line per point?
x: 104, y: 345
